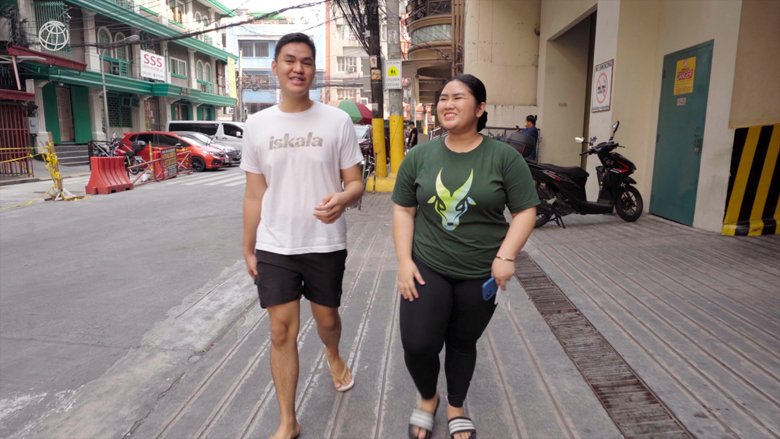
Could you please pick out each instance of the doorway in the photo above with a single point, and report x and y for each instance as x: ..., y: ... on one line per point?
x: 65, y: 112
x: 681, y: 116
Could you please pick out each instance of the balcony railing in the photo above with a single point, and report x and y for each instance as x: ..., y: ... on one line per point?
x: 116, y: 66
x: 426, y: 8
x: 127, y: 4
x: 205, y: 86
x: 7, y: 78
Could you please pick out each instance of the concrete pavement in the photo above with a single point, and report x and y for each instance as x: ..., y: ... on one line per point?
x: 40, y: 173
x: 695, y: 315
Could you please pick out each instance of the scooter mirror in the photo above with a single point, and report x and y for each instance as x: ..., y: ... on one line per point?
x: 579, y: 139
x: 615, y: 127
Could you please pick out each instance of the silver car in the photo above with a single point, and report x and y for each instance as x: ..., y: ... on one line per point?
x: 233, y: 153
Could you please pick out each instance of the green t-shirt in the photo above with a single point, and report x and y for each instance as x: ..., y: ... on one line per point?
x: 460, y: 200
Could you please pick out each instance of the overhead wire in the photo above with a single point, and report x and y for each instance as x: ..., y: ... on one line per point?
x: 203, y: 25
x: 204, y: 31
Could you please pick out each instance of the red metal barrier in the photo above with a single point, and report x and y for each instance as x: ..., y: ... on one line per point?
x: 184, y: 161
x: 109, y: 175
x: 166, y: 163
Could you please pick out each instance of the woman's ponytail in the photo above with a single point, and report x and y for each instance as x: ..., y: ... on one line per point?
x: 482, y: 121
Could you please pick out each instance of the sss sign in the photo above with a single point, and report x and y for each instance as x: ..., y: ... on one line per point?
x: 152, y: 66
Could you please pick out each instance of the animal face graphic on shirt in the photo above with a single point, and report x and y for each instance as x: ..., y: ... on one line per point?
x: 451, y: 205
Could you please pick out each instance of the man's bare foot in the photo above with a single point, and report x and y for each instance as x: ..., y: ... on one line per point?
x: 287, y: 433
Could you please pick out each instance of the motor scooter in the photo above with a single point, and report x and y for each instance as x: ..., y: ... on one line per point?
x: 131, y: 155
x: 561, y: 189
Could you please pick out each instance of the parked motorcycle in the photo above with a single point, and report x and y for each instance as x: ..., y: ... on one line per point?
x: 562, y: 189
x: 131, y: 155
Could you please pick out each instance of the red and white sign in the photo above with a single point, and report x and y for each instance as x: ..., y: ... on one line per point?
x: 602, y: 86
x: 152, y: 66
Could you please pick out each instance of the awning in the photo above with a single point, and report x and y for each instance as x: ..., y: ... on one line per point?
x: 15, y: 95
x: 45, y: 58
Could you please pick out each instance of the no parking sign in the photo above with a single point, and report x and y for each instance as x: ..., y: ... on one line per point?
x: 601, y: 95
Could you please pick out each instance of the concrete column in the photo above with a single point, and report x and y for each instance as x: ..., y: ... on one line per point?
x: 193, y: 82
x: 135, y: 55
x: 96, y: 113
x: 164, y: 54
x: 142, y: 114
x: 195, y: 111
x: 213, y: 79
x: 215, y: 38
x: 187, y: 20
x: 26, y: 11
x: 36, y: 87
x: 165, y: 110
x: 165, y: 12
x: 91, y: 56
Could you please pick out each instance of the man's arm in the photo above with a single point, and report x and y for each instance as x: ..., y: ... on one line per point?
x: 253, y: 202
x: 333, y: 205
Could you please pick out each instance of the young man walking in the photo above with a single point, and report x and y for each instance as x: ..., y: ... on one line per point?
x: 302, y: 165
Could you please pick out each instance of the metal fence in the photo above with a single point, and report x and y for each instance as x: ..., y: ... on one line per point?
x: 15, y: 152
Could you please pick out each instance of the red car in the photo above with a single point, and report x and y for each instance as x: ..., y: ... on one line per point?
x: 202, y: 156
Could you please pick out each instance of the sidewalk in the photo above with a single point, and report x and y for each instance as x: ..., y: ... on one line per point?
x: 40, y: 173
x: 695, y: 315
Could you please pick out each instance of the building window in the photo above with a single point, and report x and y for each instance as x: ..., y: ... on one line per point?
x: 438, y: 32
x: 177, y: 67
x: 347, y: 64
x: 120, y: 111
x: 104, y: 39
x: 147, y: 45
x: 177, y: 10
x: 346, y: 93
x: 207, y: 72
x: 120, y: 52
x: 199, y: 71
x: 258, y: 81
x: 254, y: 49
x: 345, y: 32
x: 180, y: 111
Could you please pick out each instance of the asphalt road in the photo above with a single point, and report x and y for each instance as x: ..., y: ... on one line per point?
x: 89, y: 285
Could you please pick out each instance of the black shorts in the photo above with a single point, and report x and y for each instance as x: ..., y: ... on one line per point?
x: 283, y: 278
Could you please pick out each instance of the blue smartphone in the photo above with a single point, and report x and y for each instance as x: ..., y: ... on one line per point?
x: 489, y: 288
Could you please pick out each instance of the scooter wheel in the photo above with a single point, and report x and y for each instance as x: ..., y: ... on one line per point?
x: 629, y: 204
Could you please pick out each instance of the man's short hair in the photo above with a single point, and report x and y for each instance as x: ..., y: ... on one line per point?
x: 295, y: 37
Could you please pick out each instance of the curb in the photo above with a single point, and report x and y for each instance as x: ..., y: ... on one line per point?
x: 34, y: 179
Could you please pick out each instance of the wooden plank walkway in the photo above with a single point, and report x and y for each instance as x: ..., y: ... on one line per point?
x: 695, y: 315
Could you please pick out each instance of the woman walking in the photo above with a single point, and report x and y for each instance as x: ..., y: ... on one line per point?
x: 451, y: 237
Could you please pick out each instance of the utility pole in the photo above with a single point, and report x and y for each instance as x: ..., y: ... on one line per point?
x: 377, y: 92
x: 238, y: 112
x: 395, y: 91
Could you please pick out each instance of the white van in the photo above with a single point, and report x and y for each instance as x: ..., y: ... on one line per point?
x: 228, y: 133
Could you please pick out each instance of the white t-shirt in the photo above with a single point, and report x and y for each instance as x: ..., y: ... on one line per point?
x: 301, y: 156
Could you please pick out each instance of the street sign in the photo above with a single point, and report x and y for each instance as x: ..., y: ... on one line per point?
x: 602, y: 86
x: 393, y: 74
x: 152, y: 66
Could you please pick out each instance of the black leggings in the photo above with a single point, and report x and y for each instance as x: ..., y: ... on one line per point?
x: 448, y: 311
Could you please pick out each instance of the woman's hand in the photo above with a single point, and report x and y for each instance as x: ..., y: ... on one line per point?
x: 407, y: 274
x: 502, y: 271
